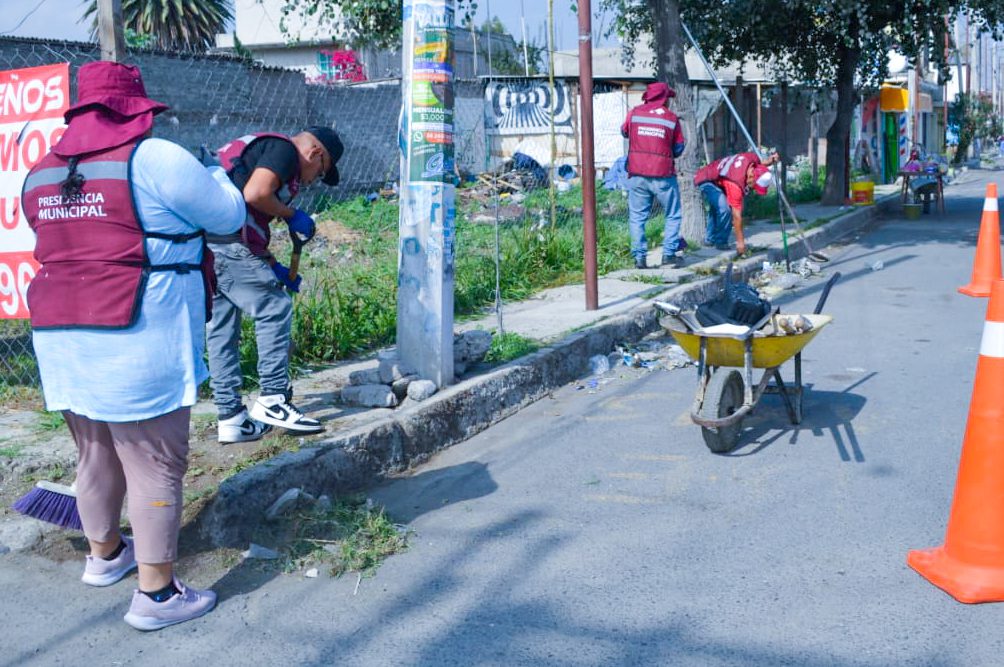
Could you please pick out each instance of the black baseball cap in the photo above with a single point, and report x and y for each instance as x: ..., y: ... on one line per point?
x: 329, y: 139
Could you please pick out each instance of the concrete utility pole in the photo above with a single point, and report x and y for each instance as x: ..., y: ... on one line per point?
x: 110, y: 33
x: 588, y: 179
x: 426, y: 229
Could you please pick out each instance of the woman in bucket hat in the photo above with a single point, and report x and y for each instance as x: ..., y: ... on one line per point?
x: 117, y: 310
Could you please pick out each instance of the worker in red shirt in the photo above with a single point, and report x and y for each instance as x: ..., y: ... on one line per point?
x: 724, y: 183
x: 654, y: 141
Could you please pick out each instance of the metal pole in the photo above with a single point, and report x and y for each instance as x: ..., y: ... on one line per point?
x: 110, y: 30
x: 522, y: 32
x: 588, y: 175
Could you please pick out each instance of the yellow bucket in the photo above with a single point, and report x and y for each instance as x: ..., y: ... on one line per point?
x: 863, y: 193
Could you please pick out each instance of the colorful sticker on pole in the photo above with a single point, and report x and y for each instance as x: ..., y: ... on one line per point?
x: 32, y: 103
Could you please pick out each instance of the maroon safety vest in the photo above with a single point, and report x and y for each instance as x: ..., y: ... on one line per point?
x: 650, y: 142
x: 90, y: 245
x: 732, y: 168
x: 256, y: 233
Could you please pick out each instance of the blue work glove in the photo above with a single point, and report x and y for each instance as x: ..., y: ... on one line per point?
x: 302, y: 225
x: 282, y: 273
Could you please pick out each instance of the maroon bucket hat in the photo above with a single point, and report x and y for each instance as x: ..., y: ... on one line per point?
x: 112, y: 108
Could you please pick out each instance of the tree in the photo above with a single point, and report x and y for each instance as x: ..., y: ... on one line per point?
x: 659, y: 21
x: 374, y: 23
x: 169, y: 24
x: 973, y: 117
x: 834, y: 44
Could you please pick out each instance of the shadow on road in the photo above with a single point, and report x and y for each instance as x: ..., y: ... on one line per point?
x: 822, y: 412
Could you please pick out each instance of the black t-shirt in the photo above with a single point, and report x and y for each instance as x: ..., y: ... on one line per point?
x: 277, y: 155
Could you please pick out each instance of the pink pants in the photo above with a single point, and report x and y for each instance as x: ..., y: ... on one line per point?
x: 145, y: 460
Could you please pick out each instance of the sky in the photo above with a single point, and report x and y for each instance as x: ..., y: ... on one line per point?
x: 57, y: 19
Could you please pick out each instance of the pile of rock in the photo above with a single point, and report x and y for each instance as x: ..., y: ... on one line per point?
x: 392, y: 384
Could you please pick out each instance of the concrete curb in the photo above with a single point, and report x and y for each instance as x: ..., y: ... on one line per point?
x: 359, y: 458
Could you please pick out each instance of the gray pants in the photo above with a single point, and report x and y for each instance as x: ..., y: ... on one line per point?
x: 246, y: 284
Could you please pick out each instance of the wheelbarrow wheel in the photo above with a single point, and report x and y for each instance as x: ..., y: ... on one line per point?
x: 723, y: 396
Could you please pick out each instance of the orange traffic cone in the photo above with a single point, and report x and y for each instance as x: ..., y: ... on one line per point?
x: 987, y: 267
x: 970, y: 565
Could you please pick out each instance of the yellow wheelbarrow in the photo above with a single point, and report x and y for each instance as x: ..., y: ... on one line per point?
x: 724, y: 394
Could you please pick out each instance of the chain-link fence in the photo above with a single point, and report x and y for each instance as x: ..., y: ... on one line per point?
x: 505, y: 130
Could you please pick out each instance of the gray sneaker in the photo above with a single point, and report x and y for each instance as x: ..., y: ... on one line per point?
x: 101, y: 572
x: 188, y: 603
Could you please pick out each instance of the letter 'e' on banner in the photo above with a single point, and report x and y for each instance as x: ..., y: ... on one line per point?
x: 32, y: 103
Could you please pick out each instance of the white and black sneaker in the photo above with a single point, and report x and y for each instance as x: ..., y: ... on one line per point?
x: 240, y: 428
x: 276, y: 410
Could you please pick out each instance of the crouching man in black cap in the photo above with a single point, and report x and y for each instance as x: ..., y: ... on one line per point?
x: 269, y: 169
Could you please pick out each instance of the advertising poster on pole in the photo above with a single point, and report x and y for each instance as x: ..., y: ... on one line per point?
x: 32, y: 103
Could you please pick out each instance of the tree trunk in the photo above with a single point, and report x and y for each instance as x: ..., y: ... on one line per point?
x: 672, y: 68
x: 836, y: 187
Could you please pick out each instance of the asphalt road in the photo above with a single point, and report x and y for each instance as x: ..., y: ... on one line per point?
x: 597, y: 529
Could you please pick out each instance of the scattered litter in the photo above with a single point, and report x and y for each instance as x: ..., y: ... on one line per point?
x: 792, y: 324
x: 258, y: 552
x: 878, y: 266
x: 311, y: 573
x: 855, y: 369
x: 675, y: 357
x: 599, y: 364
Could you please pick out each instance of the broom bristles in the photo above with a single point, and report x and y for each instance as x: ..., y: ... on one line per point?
x: 52, y: 503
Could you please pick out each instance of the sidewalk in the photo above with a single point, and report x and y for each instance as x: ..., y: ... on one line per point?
x: 362, y: 445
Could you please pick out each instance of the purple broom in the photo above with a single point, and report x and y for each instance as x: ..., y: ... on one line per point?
x: 51, y: 502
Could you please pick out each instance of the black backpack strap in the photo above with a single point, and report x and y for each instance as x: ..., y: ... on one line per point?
x: 174, y: 238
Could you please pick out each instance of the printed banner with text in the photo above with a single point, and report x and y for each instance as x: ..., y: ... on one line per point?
x: 32, y: 103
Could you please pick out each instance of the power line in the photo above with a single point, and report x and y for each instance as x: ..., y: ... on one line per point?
x: 24, y: 18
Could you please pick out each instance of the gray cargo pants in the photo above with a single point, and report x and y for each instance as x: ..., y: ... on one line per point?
x: 246, y: 284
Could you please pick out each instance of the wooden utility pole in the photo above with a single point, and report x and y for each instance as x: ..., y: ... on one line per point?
x: 110, y: 34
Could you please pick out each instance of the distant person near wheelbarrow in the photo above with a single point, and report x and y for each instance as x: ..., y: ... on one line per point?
x: 655, y: 139
x: 724, y: 183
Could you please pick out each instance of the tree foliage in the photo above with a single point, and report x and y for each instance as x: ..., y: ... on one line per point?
x: 358, y: 22
x: 832, y: 44
x: 169, y: 24
x: 973, y: 117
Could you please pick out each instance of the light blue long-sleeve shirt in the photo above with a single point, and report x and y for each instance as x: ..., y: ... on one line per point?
x: 155, y: 366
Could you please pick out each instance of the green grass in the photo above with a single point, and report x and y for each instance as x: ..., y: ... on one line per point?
x: 509, y: 346
x: 273, y: 447
x: 11, y: 452
x: 351, y: 536
x: 803, y: 190
x: 348, y: 305
x: 49, y: 422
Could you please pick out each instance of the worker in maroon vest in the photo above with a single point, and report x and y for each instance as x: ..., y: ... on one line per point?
x: 654, y: 140
x: 269, y: 169
x: 724, y: 183
x: 118, y: 316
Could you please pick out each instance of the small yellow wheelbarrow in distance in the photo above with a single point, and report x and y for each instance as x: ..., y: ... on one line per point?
x: 724, y: 394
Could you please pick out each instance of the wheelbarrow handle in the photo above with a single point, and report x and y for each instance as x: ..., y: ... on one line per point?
x: 826, y: 292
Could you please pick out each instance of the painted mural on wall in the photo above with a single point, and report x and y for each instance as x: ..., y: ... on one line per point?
x: 527, y: 107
